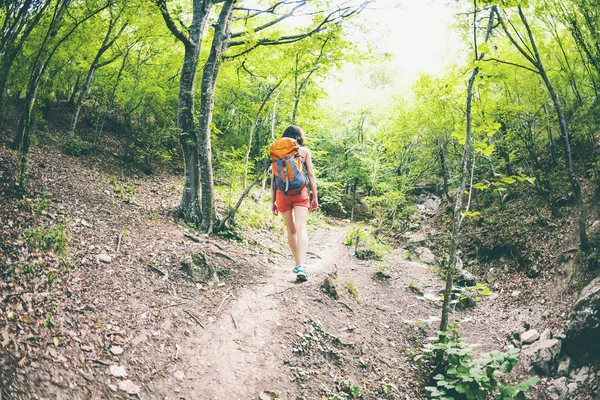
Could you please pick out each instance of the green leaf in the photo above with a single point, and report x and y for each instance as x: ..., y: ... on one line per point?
x: 526, y: 385
x: 486, y: 292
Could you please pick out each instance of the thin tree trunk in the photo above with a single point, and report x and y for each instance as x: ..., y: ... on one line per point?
x: 458, y: 217
x: 253, y: 128
x: 106, y: 44
x: 536, y: 61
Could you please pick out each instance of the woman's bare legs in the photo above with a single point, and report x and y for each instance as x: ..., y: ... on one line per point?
x: 301, y: 216
x: 297, y: 233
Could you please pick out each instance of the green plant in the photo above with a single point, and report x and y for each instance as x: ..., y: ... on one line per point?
x: 53, y: 238
x: 355, y: 234
x: 50, y: 278
x: 28, y: 269
x: 352, y: 289
x: 382, y: 272
x: 48, y: 322
x: 40, y: 205
x: 125, y: 190
x: 366, y: 246
x: 415, y: 289
x: 460, y: 376
x: 75, y: 146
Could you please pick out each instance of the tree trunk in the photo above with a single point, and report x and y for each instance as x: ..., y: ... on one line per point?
x: 189, y: 209
x: 106, y: 44
x: 451, y: 269
x: 562, y: 123
x: 12, y: 43
x: 209, y: 79
x: 253, y: 128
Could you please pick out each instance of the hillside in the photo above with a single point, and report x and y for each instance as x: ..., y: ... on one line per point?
x: 115, y: 314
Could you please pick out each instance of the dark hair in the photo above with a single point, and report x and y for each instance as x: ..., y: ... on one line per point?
x: 294, y: 132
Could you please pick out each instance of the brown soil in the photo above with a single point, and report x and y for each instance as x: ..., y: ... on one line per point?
x: 258, y: 334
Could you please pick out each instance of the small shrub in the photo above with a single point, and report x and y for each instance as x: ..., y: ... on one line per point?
x: 462, y: 377
x: 366, y: 246
x: 75, y: 146
x: 382, y: 272
x: 53, y: 238
x: 415, y: 289
x: 331, y: 198
x: 352, y: 289
x: 125, y: 190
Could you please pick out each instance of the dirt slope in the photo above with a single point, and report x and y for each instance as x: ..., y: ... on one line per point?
x: 137, y: 323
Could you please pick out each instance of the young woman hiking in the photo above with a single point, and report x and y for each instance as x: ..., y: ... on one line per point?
x: 293, y: 203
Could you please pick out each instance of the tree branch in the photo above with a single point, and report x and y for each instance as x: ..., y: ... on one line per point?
x: 162, y: 6
x: 511, y: 63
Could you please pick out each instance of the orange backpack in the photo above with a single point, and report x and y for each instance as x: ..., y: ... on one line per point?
x: 288, y: 169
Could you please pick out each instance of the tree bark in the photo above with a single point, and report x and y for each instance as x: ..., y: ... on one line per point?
x: 458, y: 217
x: 221, y: 39
x: 106, y: 44
x: 189, y: 208
x: 536, y: 61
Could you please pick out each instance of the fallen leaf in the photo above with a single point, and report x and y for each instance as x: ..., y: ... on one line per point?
x: 56, y: 342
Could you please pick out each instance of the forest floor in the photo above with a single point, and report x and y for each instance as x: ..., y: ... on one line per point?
x: 124, y: 321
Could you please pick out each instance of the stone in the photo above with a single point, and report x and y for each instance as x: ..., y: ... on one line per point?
x: 129, y: 387
x: 563, y: 366
x: 425, y: 255
x: 515, y: 293
x: 547, y: 334
x: 113, y: 388
x: 542, y: 355
x: 199, y: 269
x: 492, y: 275
x: 118, y: 371
x: 141, y: 338
x: 116, y: 350
x: 583, y: 329
x: 328, y: 287
x: 465, y: 278
x: 572, y: 387
x: 432, y: 203
x: 558, y: 389
x: 179, y: 375
x: 529, y: 336
x: 104, y: 258
x: 582, y: 375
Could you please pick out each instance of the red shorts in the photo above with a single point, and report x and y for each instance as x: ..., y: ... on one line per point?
x: 293, y: 199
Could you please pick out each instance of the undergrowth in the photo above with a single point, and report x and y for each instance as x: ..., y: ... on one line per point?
x: 461, y: 376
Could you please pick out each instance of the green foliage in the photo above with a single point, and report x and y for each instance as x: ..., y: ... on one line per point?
x: 415, y: 289
x: 461, y: 376
x: 352, y: 289
x: 125, y: 190
x: 54, y: 238
x: 331, y: 198
x: 366, y: 246
x: 76, y: 146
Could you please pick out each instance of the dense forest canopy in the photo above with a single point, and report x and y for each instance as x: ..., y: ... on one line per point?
x: 207, y: 85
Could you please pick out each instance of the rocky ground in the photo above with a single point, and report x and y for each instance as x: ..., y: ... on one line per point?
x: 115, y: 315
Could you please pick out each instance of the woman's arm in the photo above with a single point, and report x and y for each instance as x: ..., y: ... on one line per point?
x: 314, y: 204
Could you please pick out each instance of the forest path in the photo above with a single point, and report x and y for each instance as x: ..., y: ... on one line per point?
x: 240, y: 354
x: 253, y: 345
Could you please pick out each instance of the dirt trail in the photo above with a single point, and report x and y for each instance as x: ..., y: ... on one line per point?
x: 241, y: 353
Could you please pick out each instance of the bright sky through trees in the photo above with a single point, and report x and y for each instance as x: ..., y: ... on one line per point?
x: 416, y: 34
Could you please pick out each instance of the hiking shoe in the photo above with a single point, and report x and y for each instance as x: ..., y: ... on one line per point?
x: 296, y: 269
x: 301, y: 274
